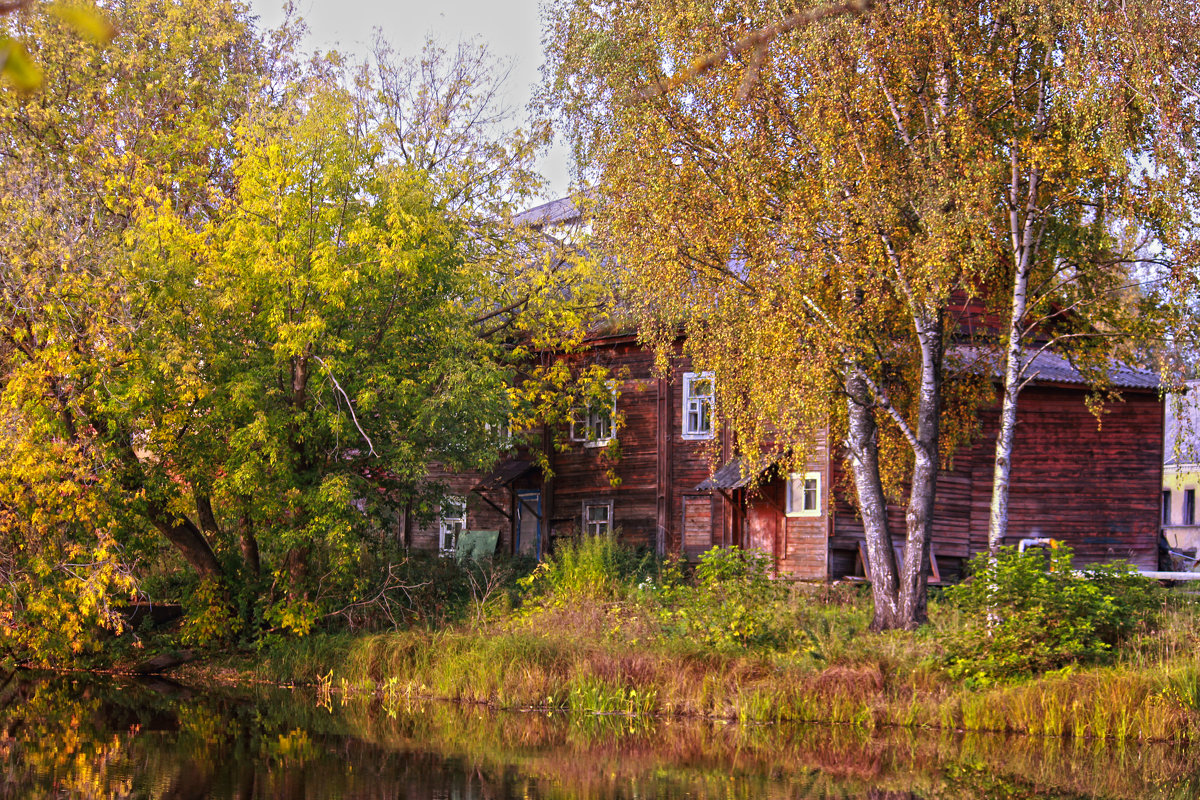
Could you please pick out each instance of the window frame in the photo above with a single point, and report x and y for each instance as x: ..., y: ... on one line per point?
x: 1166, y: 507
x: 458, y: 501
x: 689, y: 380
x: 1189, y: 507
x: 803, y: 478
x: 589, y: 504
x: 590, y: 422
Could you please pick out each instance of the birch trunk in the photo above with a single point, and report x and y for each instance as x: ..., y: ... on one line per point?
x: 1025, y: 237
x: 923, y: 491
x: 1002, y: 469
x: 862, y: 438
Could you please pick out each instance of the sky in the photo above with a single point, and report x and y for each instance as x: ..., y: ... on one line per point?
x: 511, y: 28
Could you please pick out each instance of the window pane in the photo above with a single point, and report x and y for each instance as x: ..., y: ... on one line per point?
x: 810, y: 494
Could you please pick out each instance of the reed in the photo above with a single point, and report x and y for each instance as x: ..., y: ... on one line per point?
x: 611, y: 654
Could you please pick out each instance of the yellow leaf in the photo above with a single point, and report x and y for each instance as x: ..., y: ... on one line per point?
x: 87, y: 21
x: 17, y: 67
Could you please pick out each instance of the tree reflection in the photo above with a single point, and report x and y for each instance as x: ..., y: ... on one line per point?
x: 86, y: 737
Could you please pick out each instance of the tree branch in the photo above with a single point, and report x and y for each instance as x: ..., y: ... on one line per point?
x: 349, y: 404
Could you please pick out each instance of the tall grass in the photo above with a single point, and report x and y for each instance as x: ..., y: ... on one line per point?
x: 592, y: 638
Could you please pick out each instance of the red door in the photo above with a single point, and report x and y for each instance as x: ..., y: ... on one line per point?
x: 762, y: 523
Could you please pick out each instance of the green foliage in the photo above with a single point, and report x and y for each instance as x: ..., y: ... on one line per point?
x: 241, y: 312
x: 208, y: 619
x: 733, y: 604
x: 588, y: 567
x: 1029, y: 613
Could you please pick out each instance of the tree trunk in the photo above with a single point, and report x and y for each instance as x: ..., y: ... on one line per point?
x: 204, y: 512
x: 249, y: 544
x: 863, y: 443
x: 923, y: 490
x: 1002, y: 468
x: 1024, y: 239
x: 187, y: 538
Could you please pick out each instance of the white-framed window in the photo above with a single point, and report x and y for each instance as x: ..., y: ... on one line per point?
x: 451, y: 523
x: 594, y: 426
x: 698, y: 392
x: 501, y: 434
x: 597, y: 517
x: 804, y: 494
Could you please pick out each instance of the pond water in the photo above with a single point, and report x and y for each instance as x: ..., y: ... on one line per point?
x: 83, y: 736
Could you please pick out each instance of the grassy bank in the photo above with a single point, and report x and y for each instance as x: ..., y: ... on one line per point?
x: 731, y: 646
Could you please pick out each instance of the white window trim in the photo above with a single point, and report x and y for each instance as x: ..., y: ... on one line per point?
x: 688, y: 379
x: 592, y: 503
x: 589, y: 423
x: 802, y: 478
x: 460, y: 502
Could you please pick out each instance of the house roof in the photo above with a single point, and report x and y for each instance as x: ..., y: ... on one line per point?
x: 1050, y: 367
x: 556, y: 212
x: 505, y: 473
x: 734, y: 474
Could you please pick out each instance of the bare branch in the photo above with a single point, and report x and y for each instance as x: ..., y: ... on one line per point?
x: 349, y: 404
x: 758, y: 41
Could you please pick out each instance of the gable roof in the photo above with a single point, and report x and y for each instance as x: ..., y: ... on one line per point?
x: 1048, y: 367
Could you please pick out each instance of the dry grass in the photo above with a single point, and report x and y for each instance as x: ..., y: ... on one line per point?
x: 612, y: 657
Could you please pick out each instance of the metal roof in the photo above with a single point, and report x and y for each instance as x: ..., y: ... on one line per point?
x: 735, y: 475
x: 1050, y: 367
x: 556, y: 212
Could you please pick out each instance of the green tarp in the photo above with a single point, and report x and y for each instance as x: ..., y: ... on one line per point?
x: 476, y: 544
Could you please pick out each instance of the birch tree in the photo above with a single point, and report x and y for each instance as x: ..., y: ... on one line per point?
x: 1095, y: 198
x: 814, y: 233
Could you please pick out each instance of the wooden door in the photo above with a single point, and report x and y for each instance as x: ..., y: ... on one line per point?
x: 762, y: 525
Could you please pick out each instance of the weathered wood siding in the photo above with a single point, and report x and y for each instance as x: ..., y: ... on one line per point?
x: 1096, y: 488
x: 480, y: 516
x: 656, y: 467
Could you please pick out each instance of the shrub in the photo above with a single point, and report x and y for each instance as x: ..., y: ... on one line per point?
x: 1026, y: 613
x: 588, y: 567
x: 734, y: 603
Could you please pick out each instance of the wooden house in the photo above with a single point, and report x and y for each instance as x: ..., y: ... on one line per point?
x: 655, y: 470
x: 1095, y: 487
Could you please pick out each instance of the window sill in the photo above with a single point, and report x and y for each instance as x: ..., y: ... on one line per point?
x: 809, y: 514
x: 696, y: 437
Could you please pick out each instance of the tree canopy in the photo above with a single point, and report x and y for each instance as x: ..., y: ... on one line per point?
x: 817, y: 231
x: 247, y: 299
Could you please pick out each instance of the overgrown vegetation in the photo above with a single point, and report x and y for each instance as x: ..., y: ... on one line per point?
x: 604, y: 629
x: 1027, y: 613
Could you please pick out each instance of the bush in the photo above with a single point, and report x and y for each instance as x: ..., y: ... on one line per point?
x: 733, y: 604
x: 588, y: 567
x: 1027, y: 613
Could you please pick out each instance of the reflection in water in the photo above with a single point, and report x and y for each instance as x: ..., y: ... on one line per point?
x: 87, y: 737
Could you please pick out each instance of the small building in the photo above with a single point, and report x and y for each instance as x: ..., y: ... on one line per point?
x: 1181, y: 468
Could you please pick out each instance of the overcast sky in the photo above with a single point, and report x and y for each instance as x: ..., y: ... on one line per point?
x: 511, y: 28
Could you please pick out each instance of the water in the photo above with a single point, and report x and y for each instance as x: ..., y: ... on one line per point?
x: 78, y: 736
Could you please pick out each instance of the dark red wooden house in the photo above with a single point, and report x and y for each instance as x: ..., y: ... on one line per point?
x: 679, y: 489
x: 1095, y: 487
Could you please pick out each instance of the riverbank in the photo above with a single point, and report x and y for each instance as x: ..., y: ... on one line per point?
x: 616, y: 657
x: 116, y: 736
